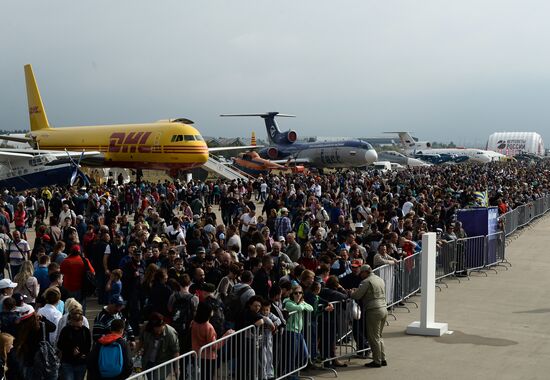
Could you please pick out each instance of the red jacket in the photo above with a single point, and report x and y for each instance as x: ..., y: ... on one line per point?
x: 73, y: 269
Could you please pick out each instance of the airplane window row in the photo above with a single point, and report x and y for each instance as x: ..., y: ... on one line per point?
x: 178, y: 138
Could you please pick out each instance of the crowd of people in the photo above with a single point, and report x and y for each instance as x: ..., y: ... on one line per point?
x: 176, y: 266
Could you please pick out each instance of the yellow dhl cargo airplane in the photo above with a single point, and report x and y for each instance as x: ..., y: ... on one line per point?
x: 166, y: 144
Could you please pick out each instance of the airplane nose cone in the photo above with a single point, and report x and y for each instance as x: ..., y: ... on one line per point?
x: 371, y: 156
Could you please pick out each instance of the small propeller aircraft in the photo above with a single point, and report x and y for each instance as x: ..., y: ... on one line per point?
x: 253, y: 164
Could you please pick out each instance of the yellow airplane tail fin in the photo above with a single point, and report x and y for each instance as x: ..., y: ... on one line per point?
x: 37, y: 114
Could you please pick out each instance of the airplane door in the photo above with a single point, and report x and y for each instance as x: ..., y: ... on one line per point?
x: 157, y: 148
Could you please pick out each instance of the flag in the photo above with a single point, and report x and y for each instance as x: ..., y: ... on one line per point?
x: 482, y: 198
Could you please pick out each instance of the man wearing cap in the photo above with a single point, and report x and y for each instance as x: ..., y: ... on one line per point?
x: 110, y: 312
x: 282, y: 224
x: 372, y: 294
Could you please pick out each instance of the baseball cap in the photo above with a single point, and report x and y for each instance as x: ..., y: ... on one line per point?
x: 80, y: 217
x: 359, y: 225
x: 46, y: 237
x: 365, y: 268
x: 24, y: 311
x: 75, y: 248
x: 201, y: 250
x: 284, y: 209
x: 117, y: 300
x: 356, y: 263
x: 281, y: 238
x: 7, y: 283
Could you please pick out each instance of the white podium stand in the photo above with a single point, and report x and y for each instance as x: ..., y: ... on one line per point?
x: 426, y: 325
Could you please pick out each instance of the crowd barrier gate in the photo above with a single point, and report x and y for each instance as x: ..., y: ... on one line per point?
x: 232, y: 356
x: 182, y: 367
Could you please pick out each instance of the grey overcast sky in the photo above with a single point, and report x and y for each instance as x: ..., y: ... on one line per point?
x: 446, y: 70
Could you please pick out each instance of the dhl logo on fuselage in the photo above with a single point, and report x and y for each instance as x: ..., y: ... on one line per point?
x: 131, y: 142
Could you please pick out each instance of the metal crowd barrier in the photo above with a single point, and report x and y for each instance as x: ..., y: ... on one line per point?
x: 387, y: 273
x: 336, y: 332
x: 446, y: 261
x: 495, y: 247
x: 182, y: 367
x: 474, y: 253
x: 233, y: 356
x: 411, y: 269
x: 291, y: 349
x: 524, y: 214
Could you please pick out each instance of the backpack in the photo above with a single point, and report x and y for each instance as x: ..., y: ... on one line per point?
x: 303, y: 230
x: 28, y: 201
x: 89, y: 283
x: 184, y: 311
x: 46, y: 363
x: 218, y: 317
x: 110, y: 360
x: 233, y: 305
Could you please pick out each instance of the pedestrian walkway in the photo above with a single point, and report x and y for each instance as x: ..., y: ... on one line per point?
x: 500, y: 324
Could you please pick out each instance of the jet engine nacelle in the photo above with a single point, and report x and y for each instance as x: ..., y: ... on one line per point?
x: 291, y: 136
x: 273, y: 153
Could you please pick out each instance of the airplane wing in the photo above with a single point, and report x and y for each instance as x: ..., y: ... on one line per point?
x: 292, y: 161
x: 222, y: 148
x: 53, y: 157
x: 16, y: 139
x: 7, y: 155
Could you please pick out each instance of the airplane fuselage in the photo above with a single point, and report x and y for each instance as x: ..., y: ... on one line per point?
x: 339, y: 154
x: 161, y: 145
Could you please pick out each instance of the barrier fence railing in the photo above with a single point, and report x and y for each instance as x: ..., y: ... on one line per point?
x: 524, y: 214
x: 182, y: 367
x: 234, y: 356
x: 335, y: 332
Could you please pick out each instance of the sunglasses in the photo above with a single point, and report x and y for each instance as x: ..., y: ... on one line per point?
x: 298, y: 292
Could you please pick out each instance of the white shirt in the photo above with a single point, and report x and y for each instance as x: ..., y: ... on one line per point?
x: 247, y: 219
x: 234, y: 240
x: 407, y: 206
x: 51, y: 314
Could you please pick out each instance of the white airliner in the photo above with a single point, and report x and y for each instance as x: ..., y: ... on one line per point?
x: 411, y: 146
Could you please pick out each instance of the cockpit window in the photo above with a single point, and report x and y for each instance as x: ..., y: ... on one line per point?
x: 178, y: 138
